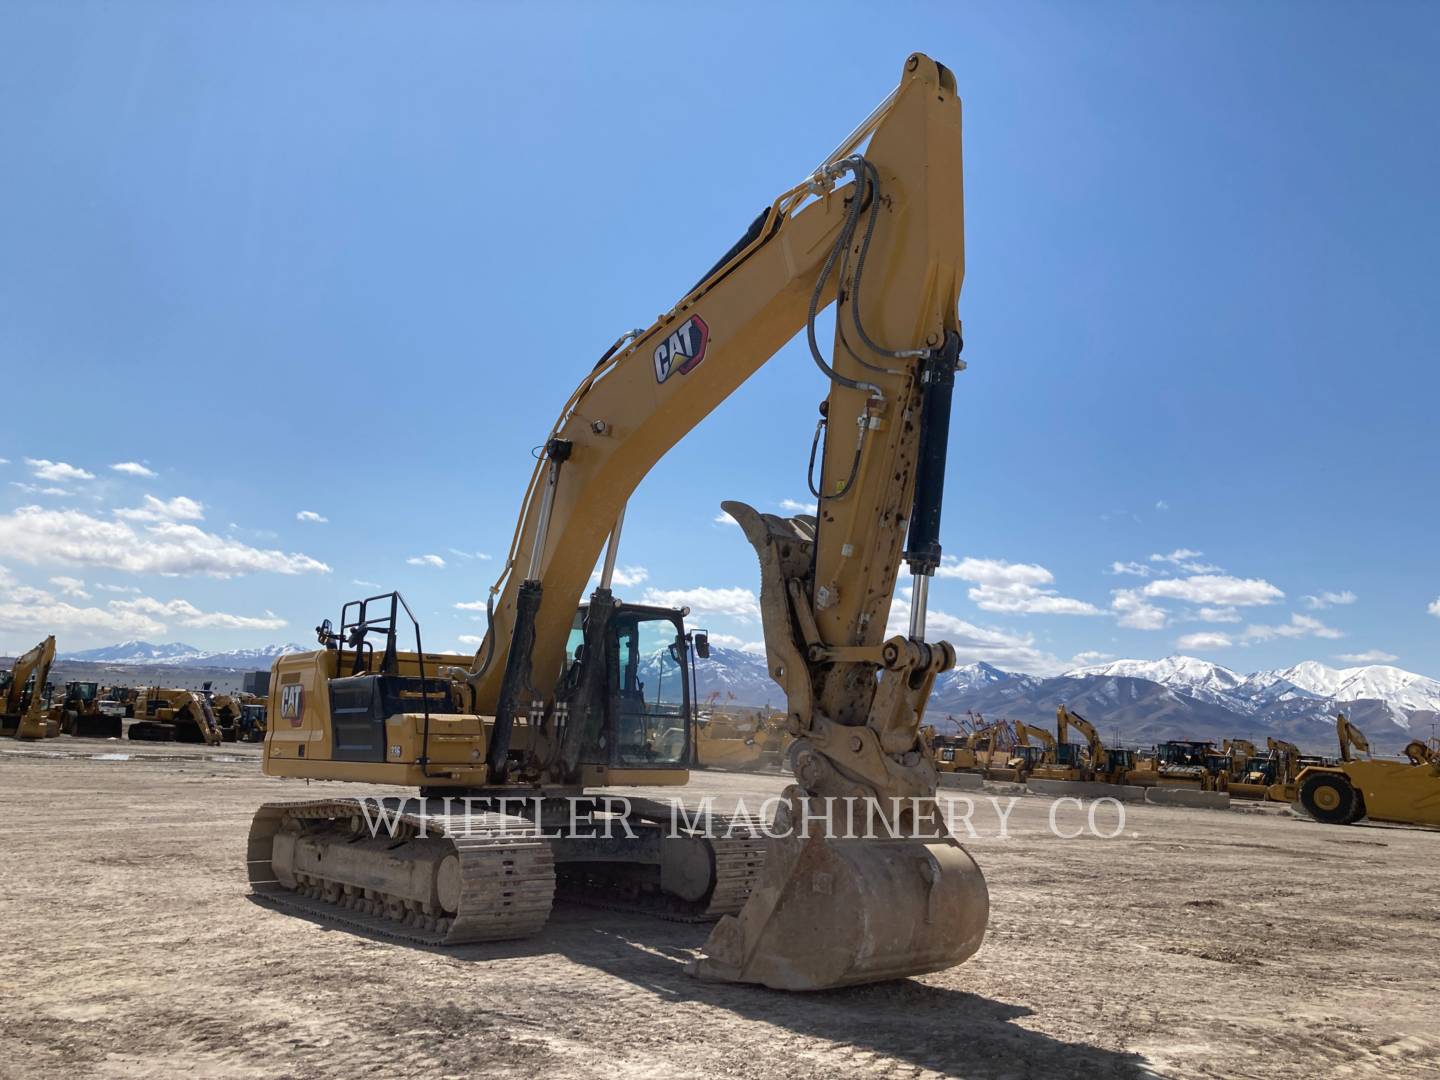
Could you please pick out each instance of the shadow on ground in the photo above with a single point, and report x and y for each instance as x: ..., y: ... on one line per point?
x: 930, y: 1027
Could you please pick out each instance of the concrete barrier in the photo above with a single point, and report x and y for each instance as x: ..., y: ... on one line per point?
x: 1181, y: 796
x: 1079, y: 789
x: 965, y: 781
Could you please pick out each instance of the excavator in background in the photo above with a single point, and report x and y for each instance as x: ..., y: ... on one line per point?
x: 1405, y: 792
x: 23, y: 712
x: 1352, y: 739
x: 173, y: 715
x: 1026, y: 756
x: 558, y: 707
x: 1105, y: 764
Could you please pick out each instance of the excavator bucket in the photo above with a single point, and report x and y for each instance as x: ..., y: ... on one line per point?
x: 834, y: 911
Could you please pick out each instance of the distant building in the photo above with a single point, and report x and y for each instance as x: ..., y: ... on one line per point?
x: 257, y: 682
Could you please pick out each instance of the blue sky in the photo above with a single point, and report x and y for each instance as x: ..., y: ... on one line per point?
x: 350, y: 259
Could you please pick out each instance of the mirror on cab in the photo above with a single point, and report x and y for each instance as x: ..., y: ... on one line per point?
x: 702, y: 644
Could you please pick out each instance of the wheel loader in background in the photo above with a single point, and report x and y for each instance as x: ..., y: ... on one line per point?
x: 561, y: 708
x: 1404, y: 792
x: 23, y: 711
x: 85, y: 714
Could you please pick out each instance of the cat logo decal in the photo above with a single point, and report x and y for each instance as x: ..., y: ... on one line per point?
x: 683, y: 349
x: 292, y: 700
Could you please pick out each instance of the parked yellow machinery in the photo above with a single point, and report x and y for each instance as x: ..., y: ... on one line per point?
x: 740, y: 739
x: 552, y: 706
x: 22, y: 694
x: 173, y: 715
x: 83, y: 712
x: 1105, y: 764
x: 1406, y: 792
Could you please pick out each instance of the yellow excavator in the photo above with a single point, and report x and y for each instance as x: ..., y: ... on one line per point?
x: 1405, y: 792
x: 1106, y: 764
x: 22, y: 694
x: 168, y: 714
x: 558, y: 708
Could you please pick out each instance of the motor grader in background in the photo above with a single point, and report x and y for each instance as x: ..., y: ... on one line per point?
x: 1404, y: 792
x: 23, y: 711
x: 173, y: 715
x: 556, y: 706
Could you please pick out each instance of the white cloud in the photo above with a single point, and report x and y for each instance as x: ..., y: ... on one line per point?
x: 993, y: 571
x: 734, y: 603
x: 44, y: 613
x: 1011, y: 652
x: 70, y: 586
x: 133, y: 468
x: 426, y: 560
x: 1135, y: 611
x: 730, y: 641
x: 723, y: 518
x: 474, y: 640
x: 1179, y: 555
x: 625, y: 577
x: 187, y: 614
x: 1138, y: 569
x: 4, y: 461
x: 177, y: 509
x: 1022, y: 599
x: 795, y: 506
x: 117, y: 588
x: 1372, y: 656
x: 1217, y: 589
x: 1329, y: 599
x: 1185, y: 559
x: 311, y: 515
x: 1012, y: 588
x: 56, y: 470
x: 470, y: 605
x: 1161, y: 504
x: 1298, y: 626
x: 1217, y: 614
x: 1208, y: 639
x: 72, y: 538
x: 25, y: 608
x: 1090, y: 656
x: 1434, y: 608
x: 467, y: 554
x: 36, y: 489
x: 365, y: 584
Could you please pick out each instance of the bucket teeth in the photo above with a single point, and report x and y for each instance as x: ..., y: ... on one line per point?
x: 830, y: 912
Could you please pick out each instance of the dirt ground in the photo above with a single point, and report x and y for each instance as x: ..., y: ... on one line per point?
x: 1196, y: 943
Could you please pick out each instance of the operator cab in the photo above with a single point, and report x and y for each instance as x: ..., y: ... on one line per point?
x: 648, y: 702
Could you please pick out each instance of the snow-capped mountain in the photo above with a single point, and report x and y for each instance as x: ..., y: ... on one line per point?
x: 178, y: 654
x: 1199, y: 678
x: 1379, y: 682
x: 136, y: 652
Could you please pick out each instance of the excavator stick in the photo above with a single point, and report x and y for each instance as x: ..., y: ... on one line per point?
x: 898, y: 907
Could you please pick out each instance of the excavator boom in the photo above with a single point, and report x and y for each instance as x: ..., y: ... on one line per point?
x: 22, y: 711
x: 876, y: 230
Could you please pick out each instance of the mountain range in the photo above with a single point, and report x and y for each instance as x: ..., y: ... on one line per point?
x: 1142, y: 701
x: 1136, y: 702
x: 178, y: 654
